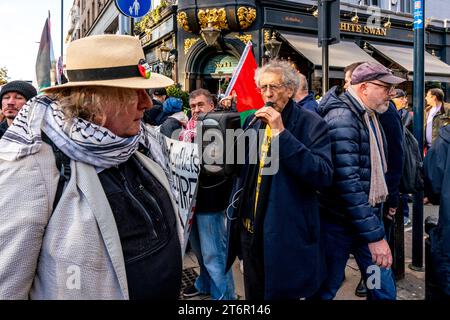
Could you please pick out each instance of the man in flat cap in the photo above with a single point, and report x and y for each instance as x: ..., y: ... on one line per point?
x: 351, y: 208
x: 14, y: 95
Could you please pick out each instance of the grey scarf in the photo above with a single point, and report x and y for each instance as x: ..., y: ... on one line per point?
x: 79, y: 139
x: 378, y: 188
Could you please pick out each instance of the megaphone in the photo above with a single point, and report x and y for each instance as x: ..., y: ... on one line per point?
x: 216, y: 146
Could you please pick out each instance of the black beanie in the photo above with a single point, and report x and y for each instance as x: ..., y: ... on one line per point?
x: 22, y: 87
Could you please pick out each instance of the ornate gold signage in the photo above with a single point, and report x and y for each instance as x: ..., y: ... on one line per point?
x: 217, y: 17
x: 183, y: 21
x: 246, y: 16
x: 146, y: 38
x: 266, y: 36
x: 293, y: 19
x: 188, y: 43
x: 245, y: 38
x: 357, y: 28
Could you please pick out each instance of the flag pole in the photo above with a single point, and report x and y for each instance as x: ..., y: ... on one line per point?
x: 62, y: 27
x: 248, y: 47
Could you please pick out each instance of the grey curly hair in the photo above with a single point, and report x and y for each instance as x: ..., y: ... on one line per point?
x: 289, y: 75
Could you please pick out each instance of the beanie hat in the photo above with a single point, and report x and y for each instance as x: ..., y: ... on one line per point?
x: 172, y: 105
x: 22, y: 87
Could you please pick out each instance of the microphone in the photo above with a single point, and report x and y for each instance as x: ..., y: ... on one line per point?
x: 252, y: 122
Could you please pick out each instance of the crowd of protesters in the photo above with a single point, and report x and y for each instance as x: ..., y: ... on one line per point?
x: 83, y: 194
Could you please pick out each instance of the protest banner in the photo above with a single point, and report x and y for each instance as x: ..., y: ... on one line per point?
x: 180, y: 161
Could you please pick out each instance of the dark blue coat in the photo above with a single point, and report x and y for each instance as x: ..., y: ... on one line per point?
x: 293, y: 264
x: 347, y: 200
x: 437, y: 186
x: 308, y: 102
x: 393, y: 129
x: 3, y: 127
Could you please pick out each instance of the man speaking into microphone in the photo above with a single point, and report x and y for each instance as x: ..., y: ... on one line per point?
x: 275, y: 224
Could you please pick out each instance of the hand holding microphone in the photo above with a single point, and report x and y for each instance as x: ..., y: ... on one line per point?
x: 252, y: 122
x: 270, y: 116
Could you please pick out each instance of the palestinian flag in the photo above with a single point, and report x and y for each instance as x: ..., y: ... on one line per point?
x: 45, y: 62
x: 243, y: 84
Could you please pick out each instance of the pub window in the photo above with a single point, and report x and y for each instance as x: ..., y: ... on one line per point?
x: 404, y: 5
x: 408, y: 6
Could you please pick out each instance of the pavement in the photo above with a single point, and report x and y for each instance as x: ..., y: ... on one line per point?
x: 412, y: 287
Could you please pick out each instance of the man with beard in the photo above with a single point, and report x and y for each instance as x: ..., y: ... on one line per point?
x: 351, y: 209
x: 14, y: 95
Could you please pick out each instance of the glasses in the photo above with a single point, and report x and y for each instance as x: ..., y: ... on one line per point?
x: 387, y: 89
x: 272, y: 87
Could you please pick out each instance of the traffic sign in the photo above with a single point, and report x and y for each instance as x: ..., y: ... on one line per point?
x: 418, y: 14
x: 133, y: 8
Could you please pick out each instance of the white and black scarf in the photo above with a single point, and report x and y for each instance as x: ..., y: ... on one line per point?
x: 79, y: 139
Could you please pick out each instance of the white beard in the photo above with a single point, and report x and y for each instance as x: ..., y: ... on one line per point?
x: 382, y: 108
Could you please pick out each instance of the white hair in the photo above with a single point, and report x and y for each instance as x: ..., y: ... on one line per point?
x: 289, y: 75
x: 303, y: 82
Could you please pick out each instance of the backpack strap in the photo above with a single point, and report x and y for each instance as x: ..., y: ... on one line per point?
x: 63, y: 166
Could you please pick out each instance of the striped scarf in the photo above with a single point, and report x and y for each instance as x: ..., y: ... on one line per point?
x: 189, y: 131
x: 378, y: 167
x: 79, y: 139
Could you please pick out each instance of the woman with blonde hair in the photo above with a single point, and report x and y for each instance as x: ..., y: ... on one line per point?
x: 84, y: 214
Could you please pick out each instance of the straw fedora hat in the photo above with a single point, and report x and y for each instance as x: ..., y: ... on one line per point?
x: 110, y: 61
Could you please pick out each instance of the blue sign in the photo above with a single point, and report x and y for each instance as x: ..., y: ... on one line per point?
x: 418, y: 14
x: 133, y: 8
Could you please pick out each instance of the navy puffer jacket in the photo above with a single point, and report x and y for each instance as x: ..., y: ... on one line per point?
x: 437, y: 189
x: 346, y: 201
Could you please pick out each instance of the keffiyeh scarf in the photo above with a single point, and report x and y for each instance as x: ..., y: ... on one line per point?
x: 79, y: 139
x: 189, y: 131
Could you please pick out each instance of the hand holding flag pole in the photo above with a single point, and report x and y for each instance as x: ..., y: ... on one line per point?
x: 243, y: 84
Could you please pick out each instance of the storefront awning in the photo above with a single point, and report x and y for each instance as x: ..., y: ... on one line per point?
x: 435, y: 69
x: 340, y: 54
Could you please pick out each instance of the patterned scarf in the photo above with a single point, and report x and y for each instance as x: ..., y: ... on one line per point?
x: 189, y: 131
x: 79, y: 139
x: 378, y: 188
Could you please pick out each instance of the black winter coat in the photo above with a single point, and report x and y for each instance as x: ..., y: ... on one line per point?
x: 3, y: 127
x: 308, y: 102
x: 146, y: 223
x: 437, y: 188
x: 153, y: 115
x: 347, y: 200
x: 393, y: 128
x: 293, y: 263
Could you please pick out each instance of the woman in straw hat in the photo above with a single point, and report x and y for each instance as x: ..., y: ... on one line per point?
x: 113, y: 233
